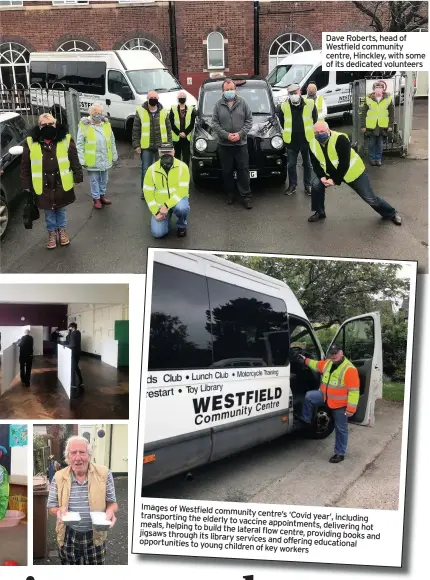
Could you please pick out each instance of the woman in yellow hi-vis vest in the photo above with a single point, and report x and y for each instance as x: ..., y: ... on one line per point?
x: 97, y: 152
x: 50, y: 167
x: 335, y: 162
x: 377, y: 118
x: 339, y: 390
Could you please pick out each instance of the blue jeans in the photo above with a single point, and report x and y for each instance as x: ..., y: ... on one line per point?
x: 340, y: 419
x: 148, y: 157
x: 375, y: 147
x: 292, y: 166
x: 56, y: 219
x: 159, y: 229
x: 363, y: 187
x: 98, y: 183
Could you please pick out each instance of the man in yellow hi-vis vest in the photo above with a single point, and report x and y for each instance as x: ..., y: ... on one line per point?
x: 339, y: 390
x: 166, y: 189
x: 151, y: 128
x: 334, y: 161
x: 377, y: 119
x: 312, y: 93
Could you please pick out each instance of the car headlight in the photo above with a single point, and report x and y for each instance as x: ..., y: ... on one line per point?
x: 280, y: 99
x: 201, y: 145
x: 277, y: 142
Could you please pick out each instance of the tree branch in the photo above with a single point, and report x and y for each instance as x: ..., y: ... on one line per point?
x: 376, y: 22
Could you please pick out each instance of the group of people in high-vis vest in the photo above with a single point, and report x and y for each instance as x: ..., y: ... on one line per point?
x: 328, y: 154
x: 162, y: 139
x: 339, y: 390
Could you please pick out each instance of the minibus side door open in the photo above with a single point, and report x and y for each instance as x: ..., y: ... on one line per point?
x: 361, y: 341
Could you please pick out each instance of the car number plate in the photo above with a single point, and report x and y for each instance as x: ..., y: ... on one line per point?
x: 252, y: 174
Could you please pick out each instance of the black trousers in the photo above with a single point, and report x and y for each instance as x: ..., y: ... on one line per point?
x: 235, y: 157
x: 25, y: 364
x: 76, y: 370
x: 182, y: 150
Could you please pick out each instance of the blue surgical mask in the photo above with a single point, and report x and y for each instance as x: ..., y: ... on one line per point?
x: 97, y: 117
x: 229, y: 95
x: 322, y: 137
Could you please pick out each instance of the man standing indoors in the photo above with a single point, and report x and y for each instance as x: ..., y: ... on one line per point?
x: 297, y: 117
x: 26, y: 357
x: 232, y: 121
x: 182, y: 119
x: 73, y: 341
x: 339, y: 389
x: 151, y: 128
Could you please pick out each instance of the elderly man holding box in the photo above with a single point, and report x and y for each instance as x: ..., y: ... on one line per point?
x: 76, y: 492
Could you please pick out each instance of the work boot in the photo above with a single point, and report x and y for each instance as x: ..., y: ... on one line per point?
x: 247, y: 203
x: 316, y: 217
x: 64, y: 238
x: 336, y: 458
x: 308, y: 190
x: 105, y: 200
x: 397, y: 219
x: 291, y: 189
x: 52, y: 240
x: 97, y: 204
x: 181, y: 233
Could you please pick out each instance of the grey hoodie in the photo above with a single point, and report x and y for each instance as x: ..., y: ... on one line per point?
x: 234, y: 119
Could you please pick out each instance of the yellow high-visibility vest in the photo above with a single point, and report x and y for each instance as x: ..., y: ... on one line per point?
x: 356, y: 165
x: 178, y: 121
x: 146, y: 125
x: 36, y: 157
x: 90, y: 147
x: 377, y: 115
x: 307, y: 120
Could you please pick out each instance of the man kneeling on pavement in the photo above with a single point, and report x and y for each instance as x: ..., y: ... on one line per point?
x: 339, y: 389
x: 335, y: 161
x: 166, y: 190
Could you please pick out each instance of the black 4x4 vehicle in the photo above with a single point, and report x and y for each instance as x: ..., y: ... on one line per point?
x: 266, y: 148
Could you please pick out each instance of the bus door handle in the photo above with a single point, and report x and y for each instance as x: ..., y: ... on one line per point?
x: 108, y: 102
x: 327, y: 92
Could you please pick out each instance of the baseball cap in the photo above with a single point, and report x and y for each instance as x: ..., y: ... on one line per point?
x: 335, y: 348
x: 165, y: 147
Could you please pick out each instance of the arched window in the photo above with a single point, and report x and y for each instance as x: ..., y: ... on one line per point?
x: 142, y: 44
x: 74, y: 46
x: 215, y: 48
x: 287, y: 44
x: 14, y: 64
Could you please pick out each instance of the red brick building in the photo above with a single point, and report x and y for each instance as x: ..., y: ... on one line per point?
x: 192, y: 38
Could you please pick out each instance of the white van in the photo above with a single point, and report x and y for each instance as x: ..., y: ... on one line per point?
x: 303, y: 67
x: 118, y: 79
x: 222, y: 373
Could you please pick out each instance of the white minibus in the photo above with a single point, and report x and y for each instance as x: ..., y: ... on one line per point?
x: 223, y: 374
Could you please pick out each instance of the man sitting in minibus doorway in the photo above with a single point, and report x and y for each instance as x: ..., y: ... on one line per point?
x: 339, y: 389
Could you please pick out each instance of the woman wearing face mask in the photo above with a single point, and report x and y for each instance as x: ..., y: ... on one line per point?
x: 97, y: 152
x: 50, y: 166
x: 377, y: 120
x: 182, y: 119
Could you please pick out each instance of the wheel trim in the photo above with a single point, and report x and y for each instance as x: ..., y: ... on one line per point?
x: 4, y: 217
x: 322, y: 420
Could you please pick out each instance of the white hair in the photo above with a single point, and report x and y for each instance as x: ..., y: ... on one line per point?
x: 71, y: 440
x: 95, y: 106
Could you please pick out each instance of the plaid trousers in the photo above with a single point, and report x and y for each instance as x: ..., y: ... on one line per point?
x: 79, y: 548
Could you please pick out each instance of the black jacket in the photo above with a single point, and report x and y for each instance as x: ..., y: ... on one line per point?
x: 26, y: 345
x: 73, y: 341
x: 182, y: 129
x: 298, y: 138
x: 154, y: 129
x: 343, y: 150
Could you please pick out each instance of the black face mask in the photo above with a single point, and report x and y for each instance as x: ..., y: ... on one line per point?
x: 166, y: 162
x: 153, y: 102
x: 182, y: 100
x: 48, y: 132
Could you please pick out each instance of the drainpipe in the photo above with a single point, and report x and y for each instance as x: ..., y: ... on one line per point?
x: 110, y: 445
x: 173, y: 39
x: 257, y: 37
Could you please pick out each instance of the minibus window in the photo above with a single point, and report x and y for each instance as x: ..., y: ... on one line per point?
x: 159, y: 80
x: 38, y: 73
x: 287, y: 74
x: 302, y: 339
x: 85, y: 77
x: 180, y: 327
x: 116, y: 80
x: 247, y: 325
x: 357, y: 339
x: 320, y: 77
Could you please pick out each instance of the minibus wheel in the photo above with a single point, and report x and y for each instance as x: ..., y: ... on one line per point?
x: 322, y: 424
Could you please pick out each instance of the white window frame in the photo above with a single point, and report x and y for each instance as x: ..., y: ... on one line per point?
x: 290, y: 41
x: 11, y: 3
x: 141, y: 46
x: 16, y: 63
x: 209, y: 50
x: 69, y: 2
x: 89, y: 49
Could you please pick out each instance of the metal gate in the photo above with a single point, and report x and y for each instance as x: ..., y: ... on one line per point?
x: 402, y: 88
x: 32, y: 101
